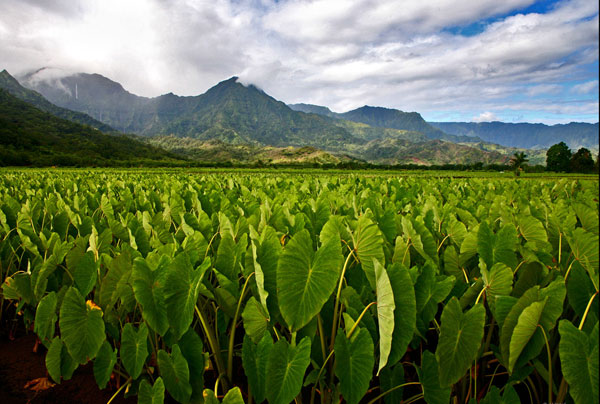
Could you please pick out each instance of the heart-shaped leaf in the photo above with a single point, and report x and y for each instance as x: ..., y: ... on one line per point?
x: 81, y: 326
x: 45, y: 318
x: 355, y: 362
x: 134, y: 349
x: 385, y: 313
x: 176, y: 374
x: 285, y: 370
x: 104, y: 364
x: 151, y: 394
x: 306, y: 279
x: 460, y: 339
x: 148, y: 286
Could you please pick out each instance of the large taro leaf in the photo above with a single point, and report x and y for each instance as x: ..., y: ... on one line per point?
x: 285, y: 370
x: 579, y: 360
x: 58, y: 361
x: 191, y: 347
x: 587, y: 216
x: 526, y: 326
x: 584, y: 246
x: 385, y: 313
x: 460, y: 339
x: 500, y: 247
x: 45, y: 318
x: 148, y: 287
x: 86, y: 273
x: 306, y: 279
x: 182, y: 287
x: 497, y: 282
x: 148, y: 394
x: 254, y: 359
x: 176, y: 374
x: 134, y: 349
x: 104, y: 364
x: 268, y: 250
x: 405, y: 312
x: 228, y: 257
x: 433, y: 391
x: 115, y: 282
x: 532, y: 229
x: 510, y: 322
x: 355, y: 362
x: 368, y: 246
x: 81, y: 326
x: 255, y: 319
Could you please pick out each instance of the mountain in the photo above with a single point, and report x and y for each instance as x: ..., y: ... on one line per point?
x: 380, y: 117
x: 229, y: 111
x: 29, y: 135
x: 10, y: 84
x: 527, y: 135
x: 216, y: 151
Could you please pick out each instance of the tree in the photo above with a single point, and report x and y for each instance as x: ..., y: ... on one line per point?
x: 558, y: 158
x: 582, y: 161
x: 518, y: 161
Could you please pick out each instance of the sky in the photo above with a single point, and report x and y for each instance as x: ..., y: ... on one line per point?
x: 450, y: 60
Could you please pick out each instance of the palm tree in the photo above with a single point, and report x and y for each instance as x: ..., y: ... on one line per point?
x: 518, y: 161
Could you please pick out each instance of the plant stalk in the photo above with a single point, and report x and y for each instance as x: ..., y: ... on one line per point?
x: 233, y: 328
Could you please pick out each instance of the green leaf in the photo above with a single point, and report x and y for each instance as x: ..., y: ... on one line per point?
x: 58, y: 361
x: 255, y: 319
x: 405, y: 313
x: 81, y: 326
x: 385, y: 313
x: 86, y: 273
x: 305, y: 279
x: 433, y: 392
x: 355, y: 362
x: 512, y: 318
x: 285, y: 370
x: 192, y: 349
x: 254, y: 359
x: 584, y: 246
x: 227, y: 261
x: 182, y: 287
x: 148, y: 287
x: 151, y: 394
x: 500, y: 247
x: 134, y: 349
x: 45, y: 318
x: 233, y: 396
x: 524, y: 330
x: 175, y: 373
x: 532, y: 229
x: 587, y: 216
x: 104, y: 364
x: 498, y: 282
x: 460, y: 339
x: 579, y: 361
x: 368, y: 246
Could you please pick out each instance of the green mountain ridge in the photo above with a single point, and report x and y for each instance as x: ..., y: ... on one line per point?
x: 29, y: 135
x: 527, y: 135
x: 10, y: 84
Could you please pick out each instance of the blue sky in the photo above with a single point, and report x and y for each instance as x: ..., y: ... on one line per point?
x: 510, y: 60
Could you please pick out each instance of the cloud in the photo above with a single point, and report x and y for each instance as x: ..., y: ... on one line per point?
x: 339, y: 53
x: 485, y: 117
x: 586, y: 88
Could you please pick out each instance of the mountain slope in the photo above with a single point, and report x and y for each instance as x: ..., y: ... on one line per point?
x: 229, y: 111
x: 10, y: 84
x: 527, y: 135
x: 29, y: 135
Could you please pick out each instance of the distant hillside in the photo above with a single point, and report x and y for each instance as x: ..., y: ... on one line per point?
x: 10, y: 84
x: 216, y: 151
x: 526, y: 135
x: 29, y: 135
x: 229, y: 111
x: 380, y: 117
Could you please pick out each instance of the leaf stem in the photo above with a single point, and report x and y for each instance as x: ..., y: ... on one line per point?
x: 385, y: 393
x: 314, y: 388
x: 549, y: 365
x: 118, y: 391
x: 211, y: 340
x: 233, y: 328
x: 587, y: 309
x: 359, y: 318
x: 336, y: 303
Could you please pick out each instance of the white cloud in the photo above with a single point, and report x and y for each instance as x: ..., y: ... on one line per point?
x: 343, y: 54
x: 586, y: 88
x: 485, y: 117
